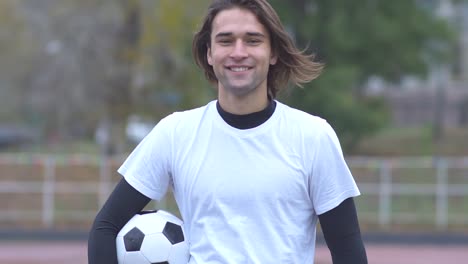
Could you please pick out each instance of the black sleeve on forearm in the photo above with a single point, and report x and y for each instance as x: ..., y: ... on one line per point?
x: 341, y: 231
x: 123, y: 203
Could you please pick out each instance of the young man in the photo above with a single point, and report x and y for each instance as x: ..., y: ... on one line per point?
x: 251, y: 176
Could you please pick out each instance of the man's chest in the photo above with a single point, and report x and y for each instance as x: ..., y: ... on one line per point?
x: 241, y: 171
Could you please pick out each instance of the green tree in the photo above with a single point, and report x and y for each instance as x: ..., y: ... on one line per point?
x: 16, y: 47
x: 156, y: 75
x: 356, y: 40
x: 171, y: 81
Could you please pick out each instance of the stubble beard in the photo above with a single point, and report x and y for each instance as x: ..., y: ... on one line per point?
x: 240, y: 90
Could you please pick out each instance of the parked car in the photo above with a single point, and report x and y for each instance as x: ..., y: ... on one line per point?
x: 15, y: 136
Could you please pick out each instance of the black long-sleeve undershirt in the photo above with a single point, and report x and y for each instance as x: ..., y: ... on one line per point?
x: 340, y: 228
x: 123, y: 203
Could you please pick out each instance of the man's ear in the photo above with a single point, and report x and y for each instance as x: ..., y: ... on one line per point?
x: 208, y: 56
x: 273, y: 59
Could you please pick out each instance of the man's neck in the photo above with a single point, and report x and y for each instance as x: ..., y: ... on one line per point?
x: 242, y: 105
x: 250, y: 120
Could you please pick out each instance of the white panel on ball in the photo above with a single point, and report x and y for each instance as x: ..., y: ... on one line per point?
x: 135, y: 258
x: 179, y: 253
x: 156, y: 248
x: 170, y: 217
x: 149, y: 224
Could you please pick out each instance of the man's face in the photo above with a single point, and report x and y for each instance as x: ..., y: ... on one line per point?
x: 240, y: 52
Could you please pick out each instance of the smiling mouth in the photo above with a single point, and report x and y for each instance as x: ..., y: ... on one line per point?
x: 239, y: 69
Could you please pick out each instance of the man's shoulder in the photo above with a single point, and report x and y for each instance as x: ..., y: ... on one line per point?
x: 302, y: 118
x: 305, y: 125
x: 187, y: 117
x: 190, y: 113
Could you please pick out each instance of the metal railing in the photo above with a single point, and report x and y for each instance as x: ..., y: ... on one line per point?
x: 41, y: 179
x: 438, y: 182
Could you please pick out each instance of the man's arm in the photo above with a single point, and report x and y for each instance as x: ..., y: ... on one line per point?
x: 340, y: 228
x: 124, y: 202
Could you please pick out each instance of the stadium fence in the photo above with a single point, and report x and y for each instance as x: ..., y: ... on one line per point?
x: 46, y: 191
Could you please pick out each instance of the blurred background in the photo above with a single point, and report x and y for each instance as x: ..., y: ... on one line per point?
x: 82, y: 82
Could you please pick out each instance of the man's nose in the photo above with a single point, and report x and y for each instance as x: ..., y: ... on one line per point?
x: 239, y: 50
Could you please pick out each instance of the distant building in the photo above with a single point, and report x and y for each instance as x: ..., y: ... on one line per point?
x: 424, y: 105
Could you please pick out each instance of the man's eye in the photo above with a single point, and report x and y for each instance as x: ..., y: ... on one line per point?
x: 224, y: 41
x: 254, y: 41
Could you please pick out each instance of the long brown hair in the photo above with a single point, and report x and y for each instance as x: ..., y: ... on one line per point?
x: 293, y: 66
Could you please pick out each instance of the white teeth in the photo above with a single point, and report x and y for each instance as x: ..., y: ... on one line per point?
x: 239, y: 69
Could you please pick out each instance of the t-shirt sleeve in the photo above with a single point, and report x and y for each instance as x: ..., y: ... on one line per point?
x: 331, y: 180
x: 147, y: 168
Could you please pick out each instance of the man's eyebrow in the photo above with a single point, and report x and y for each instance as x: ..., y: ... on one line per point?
x: 223, y: 34
x: 255, y: 34
x: 250, y: 34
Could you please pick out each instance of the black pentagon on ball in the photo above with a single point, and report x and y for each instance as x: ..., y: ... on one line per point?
x: 147, y: 212
x: 133, y: 240
x: 173, y: 233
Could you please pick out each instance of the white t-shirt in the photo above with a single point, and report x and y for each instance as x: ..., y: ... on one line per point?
x: 245, y: 196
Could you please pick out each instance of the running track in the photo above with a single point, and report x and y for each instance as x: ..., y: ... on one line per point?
x: 55, y: 252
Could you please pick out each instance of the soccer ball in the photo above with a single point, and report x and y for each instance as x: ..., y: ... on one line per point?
x: 152, y: 237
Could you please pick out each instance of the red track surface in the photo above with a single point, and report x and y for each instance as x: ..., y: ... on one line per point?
x: 75, y: 253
